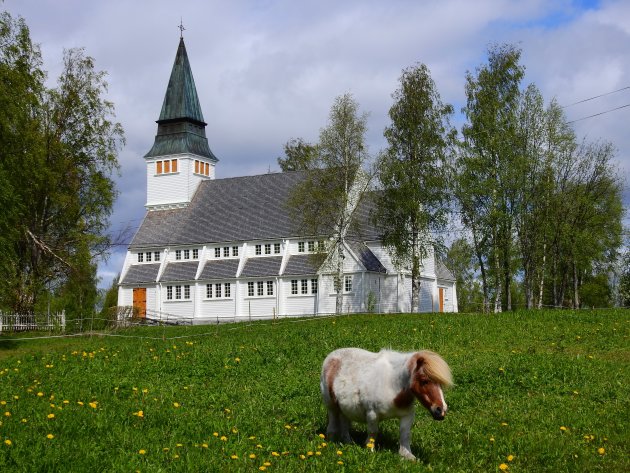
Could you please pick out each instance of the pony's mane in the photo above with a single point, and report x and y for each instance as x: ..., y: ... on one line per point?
x: 436, y: 368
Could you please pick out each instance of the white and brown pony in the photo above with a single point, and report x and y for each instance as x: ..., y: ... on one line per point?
x: 358, y: 385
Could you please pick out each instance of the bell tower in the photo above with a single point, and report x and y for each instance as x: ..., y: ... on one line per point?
x: 180, y: 157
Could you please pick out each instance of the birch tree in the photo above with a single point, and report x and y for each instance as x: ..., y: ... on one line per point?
x: 325, y: 203
x: 412, y: 207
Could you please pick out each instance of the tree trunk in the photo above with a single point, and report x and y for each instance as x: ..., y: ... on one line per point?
x: 339, y: 283
x: 542, y: 277
x: 497, y: 294
x: 576, y: 285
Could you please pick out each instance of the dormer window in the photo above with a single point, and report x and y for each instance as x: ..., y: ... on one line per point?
x: 202, y: 168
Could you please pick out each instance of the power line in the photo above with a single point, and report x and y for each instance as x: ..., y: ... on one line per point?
x: 600, y: 113
x: 596, y: 97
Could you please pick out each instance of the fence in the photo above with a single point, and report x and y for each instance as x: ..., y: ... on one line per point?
x: 32, y: 322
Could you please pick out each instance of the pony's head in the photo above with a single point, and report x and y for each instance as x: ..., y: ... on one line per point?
x: 429, y: 374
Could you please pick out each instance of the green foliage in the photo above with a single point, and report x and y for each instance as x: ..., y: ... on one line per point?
x: 412, y: 207
x: 547, y: 387
x: 300, y: 156
x: 58, y: 149
x: 325, y: 202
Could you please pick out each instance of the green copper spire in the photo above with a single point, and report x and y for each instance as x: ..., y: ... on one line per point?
x: 181, y: 128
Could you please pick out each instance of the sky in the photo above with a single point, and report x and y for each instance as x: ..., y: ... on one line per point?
x: 267, y: 71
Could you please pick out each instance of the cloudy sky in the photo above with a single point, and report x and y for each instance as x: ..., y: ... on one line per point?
x: 267, y: 71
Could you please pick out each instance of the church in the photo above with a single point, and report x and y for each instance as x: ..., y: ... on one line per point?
x: 219, y: 250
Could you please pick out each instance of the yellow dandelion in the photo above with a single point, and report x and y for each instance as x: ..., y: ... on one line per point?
x: 302, y: 457
x: 3, y: 403
x: 258, y: 445
x: 66, y: 401
x: 288, y: 427
x: 204, y: 445
x: 234, y: 457
x: 51, y: 416
x: 145, y: 391
x: 179, y: 445
x: 142, y: 451
x: 24, y: 421
x: 324, y: 444
x: 504, y: 424
x: 238, y: 360
x: 262, y: 468
x: 252, y: 455
x: 8, y: 443
x: 318, y: 453
x: 370, y: 445
x: 275, y: 454
x: 50, y: 436
x: 40, y: 394
x: 16, y: 397
x: 252, y: 437
x: 176, y: 456
x: 165, y: 449
x: 7, y: 414
x: 216, y: 434
x: 234, y: 430
x: 339, y: 462
x: 339, y: 452
x: 503, y: 467
x: 224, y: 438
x: 510, y: 458
x: 601, y: 450
x: 93, y: 404
x: 267, y: 464
x: 80, y: 403
x: 322, y: 436
x: 176, y: 404
x: 563, y: 428
x: 492, y: 439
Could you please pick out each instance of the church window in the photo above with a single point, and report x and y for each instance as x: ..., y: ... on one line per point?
x: 207, y: 173
x: 208, y: 291
x: 268, y: 248
x: 197, y: 166
x: 217, y: 252
x: 235, y: 251
x: 178, y: 254
x: 250, y: 289
x: 186, y: 254
x: 140, y: 257
x: 270, y: 288
x: 186, y: 291
x: 311, y: 246
x: 195, y: 253
x: 227, y: 287
x: 347, y: 284
x: 217, y: 290
x: 226, y: 251
x: 276, y: 248
x: 156, y: 256
x: 304, y: 286
x: 301, y: 247
x: 167, y: 167
x: 173, y: 165
x: 178, y: 292
x: 258, y: 250
x: 294, y: 286
x: 260, y: 286
x: 148, y: 257
x: 158, y: 167
x: 313, y: 286
x: 169, y: 292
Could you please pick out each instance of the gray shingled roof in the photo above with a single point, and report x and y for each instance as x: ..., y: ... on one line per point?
x: 220, y: 269
x: 141, y: 273
x: 233, y: 209
x: 180, y: 271
x: 442, y: 272
x: 299, y: 265
x: 366, y: 257
x: 255, y: 267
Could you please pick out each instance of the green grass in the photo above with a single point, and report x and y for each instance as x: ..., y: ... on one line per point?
x: 521, y: 379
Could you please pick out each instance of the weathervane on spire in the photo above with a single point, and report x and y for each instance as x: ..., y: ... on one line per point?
x: 181, y: 28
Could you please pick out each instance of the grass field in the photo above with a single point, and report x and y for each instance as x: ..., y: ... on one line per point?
x: 537, y: 391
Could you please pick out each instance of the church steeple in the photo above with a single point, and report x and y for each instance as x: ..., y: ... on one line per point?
x: 181, y: 128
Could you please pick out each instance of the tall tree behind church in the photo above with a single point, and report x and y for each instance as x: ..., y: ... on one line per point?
x: 59, y: 147
x: 413, y: 207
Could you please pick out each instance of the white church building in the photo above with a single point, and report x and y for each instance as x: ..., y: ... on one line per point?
x: 212, y: 250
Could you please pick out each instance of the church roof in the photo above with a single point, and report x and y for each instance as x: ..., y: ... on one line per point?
x: 181, y: 128
x: 234, y: 209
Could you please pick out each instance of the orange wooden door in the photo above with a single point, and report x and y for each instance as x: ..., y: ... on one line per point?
x: 140, y: 300
x: 441, y: 289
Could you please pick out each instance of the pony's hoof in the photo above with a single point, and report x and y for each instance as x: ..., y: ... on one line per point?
x: 407, y: 455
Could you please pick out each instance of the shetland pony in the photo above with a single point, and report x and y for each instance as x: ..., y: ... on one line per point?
x: 358, y: 385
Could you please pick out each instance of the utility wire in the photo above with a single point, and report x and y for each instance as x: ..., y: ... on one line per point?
x: 595, y: 97
x: 600, y: 113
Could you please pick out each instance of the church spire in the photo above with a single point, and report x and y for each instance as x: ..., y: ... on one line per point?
x: 181, y: 128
